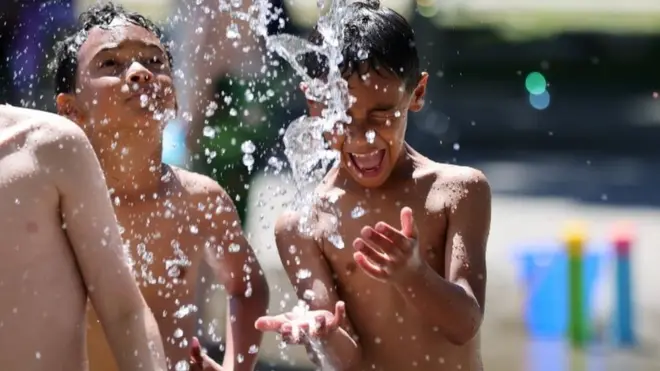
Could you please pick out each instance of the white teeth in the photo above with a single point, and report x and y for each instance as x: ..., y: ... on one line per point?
x: 365, y: 155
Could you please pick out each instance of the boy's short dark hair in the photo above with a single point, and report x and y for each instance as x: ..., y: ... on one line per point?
x: 65, y: 63
x: 374, y: 37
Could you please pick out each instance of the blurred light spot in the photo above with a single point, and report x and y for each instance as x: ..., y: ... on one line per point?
x: 540, y: 101
x: 535, y: 83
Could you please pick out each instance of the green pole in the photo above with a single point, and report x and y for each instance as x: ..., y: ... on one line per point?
x: 578, y: 331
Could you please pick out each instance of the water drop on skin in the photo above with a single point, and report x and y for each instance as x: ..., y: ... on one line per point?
x: 233, y: 32
x: 371, y: 136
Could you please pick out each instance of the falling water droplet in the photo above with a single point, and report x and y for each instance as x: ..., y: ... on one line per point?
x: 209, y: 132
x: 233, y: 32
x: 185, y: 310
x: 248, y: 147
x: 248, y: 161
x: 456, y: 146
x: 144, y: 100
x: 336, y: 240
x: 357, y: 212
x: 178, y: 333
x: 182, y: 366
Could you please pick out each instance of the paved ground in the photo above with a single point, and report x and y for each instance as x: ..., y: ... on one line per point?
x: 515, y: 220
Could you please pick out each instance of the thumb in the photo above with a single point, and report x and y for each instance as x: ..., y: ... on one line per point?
x: 340, y: 314
x: 408, y: 227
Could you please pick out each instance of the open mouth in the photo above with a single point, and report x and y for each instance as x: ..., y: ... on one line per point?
x: 369, y: 164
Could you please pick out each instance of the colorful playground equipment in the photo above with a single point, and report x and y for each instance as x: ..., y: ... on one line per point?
x: 560, y: 280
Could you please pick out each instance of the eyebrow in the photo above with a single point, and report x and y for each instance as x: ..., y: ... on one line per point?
x: 115, y: 47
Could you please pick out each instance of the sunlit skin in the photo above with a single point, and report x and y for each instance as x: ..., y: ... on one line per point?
x: 407, y: 292
x: 60, y: 246
x: 172, y: 219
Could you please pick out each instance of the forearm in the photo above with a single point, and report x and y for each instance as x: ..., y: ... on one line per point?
x: 444, y: 304
x: 135, y: 341
x: 243, y: 339
x: 339, y: 351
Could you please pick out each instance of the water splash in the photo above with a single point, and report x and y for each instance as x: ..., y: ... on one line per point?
x: 305, y: 146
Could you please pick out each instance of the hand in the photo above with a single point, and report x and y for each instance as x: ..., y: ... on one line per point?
x: 200, y: 361
x: 295, y: 328
x: 385, y: 252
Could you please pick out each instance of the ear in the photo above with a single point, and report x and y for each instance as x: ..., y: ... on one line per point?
x: 68, y: 107
x: 417, y: 101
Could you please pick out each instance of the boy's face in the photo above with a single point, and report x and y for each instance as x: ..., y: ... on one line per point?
x: 123, y: 82
x: 371, y: 144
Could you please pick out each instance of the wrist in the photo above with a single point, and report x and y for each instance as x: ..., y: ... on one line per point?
x: 412, y: 276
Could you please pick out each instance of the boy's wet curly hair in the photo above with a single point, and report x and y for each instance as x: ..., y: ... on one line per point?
x: 64, y: 65
x: 374, y: 37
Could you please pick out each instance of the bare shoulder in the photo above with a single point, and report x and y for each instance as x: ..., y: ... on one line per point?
x: 450, y: 185
x: 293, y: 225
x: 43, y: 129
x: 56, y: 142
x: 200, y: 187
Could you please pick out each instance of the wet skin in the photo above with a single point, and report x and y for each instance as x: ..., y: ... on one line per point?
x: 61, y: 244
x: 173, y: 220
x: 412, y: 273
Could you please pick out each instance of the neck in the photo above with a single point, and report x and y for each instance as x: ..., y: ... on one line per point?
x: 132, y: 167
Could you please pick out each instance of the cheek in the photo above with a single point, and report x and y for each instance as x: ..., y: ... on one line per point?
x: 335, y: 141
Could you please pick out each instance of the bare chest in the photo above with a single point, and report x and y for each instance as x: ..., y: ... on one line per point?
x: 166, y: 239
x: 344, y: 224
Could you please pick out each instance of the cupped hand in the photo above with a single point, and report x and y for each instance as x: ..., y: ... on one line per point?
x: 296, y: 328
x: 384, y: 252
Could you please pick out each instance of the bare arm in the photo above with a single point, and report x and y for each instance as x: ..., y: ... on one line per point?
x: 299, y: 252
x: 455, y: 305
x: 237, y: 268
x: 94, y: 235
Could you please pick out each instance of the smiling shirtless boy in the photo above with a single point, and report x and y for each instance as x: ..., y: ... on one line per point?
x: 408, y: 294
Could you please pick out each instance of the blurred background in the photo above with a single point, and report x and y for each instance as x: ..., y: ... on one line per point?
x: 557, y: 101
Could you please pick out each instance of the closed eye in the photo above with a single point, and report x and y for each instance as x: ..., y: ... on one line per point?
x: 108, y: 63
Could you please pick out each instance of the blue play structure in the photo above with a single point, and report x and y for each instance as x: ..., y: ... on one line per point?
x: 544, y: 273
x: 560, y: 281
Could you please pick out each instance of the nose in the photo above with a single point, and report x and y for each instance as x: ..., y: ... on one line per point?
x: 137, y: 73
x: 355, y: 134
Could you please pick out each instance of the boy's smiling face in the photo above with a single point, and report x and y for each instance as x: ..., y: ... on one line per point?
x: 371, y: 144
x: 123, y: 82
